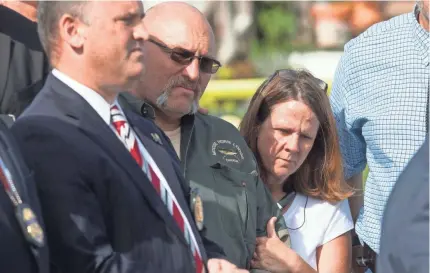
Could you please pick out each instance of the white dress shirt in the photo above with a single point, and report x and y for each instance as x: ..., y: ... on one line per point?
x: 97, y: 102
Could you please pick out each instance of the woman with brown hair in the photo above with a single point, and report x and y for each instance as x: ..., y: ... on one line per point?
x: 291, y: 130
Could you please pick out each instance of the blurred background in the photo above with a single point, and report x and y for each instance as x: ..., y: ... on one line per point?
x: 255, y: 38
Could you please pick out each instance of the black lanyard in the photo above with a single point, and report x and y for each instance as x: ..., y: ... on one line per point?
x: 286, y: 200
x: 283, y: 203
x: 26, y: 217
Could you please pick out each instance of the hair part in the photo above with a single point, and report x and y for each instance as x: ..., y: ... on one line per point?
x: 321, y: 174
x: 49, y: 14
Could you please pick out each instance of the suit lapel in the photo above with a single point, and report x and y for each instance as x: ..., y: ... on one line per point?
x: 101, y: 134
x: 5, y: 45
x: 163, y: 161
x: 113, y: 146
x: 150, y: 139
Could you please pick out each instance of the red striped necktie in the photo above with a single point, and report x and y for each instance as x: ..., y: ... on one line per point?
x: 154, y: 175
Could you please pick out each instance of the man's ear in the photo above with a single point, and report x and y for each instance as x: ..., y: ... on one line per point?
x: 72, y: 31
x: 203, y: 111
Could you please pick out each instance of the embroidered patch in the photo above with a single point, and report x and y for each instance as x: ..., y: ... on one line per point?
x: 227, y: 150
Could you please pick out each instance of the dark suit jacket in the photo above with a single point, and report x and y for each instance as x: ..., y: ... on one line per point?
x: 23, y: 64
x: 17, y: 255
x: 405, y: 227
x: 101, y: 212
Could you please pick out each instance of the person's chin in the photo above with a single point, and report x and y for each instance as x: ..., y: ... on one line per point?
x: 185, y: 110
x: 179, y: 110
x: 282, y: 171
x: 136, y: 70
x: 132, y: 78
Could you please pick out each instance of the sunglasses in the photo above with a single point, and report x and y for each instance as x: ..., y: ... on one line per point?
x: 322, y: 84
x: 185, y: 57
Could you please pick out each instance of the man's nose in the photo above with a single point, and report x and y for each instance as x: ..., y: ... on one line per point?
x: 192, y: 70
x: 140, y: 32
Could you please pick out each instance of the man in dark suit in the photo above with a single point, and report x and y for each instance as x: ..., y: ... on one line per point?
x: 21, y: 251
x: 405, y: 227
x: 23, y: 65
x: 112, y: 198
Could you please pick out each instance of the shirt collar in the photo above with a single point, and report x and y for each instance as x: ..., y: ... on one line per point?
x: 97, y: 102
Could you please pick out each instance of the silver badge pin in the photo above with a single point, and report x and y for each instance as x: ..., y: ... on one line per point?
x: 156, y: 138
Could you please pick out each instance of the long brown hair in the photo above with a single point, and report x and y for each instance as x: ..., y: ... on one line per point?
x: 321, y: 174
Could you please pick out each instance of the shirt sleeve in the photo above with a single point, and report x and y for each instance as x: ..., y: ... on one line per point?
x: 340, y: 223
x: 352, y: 144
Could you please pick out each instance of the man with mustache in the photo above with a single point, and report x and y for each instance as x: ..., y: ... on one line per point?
x: 220, y: 168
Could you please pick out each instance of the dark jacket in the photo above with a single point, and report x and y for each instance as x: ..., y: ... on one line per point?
x: 17, y: 255
x: 23, y: 64
x: 101, y: 212
x: 216, y: 160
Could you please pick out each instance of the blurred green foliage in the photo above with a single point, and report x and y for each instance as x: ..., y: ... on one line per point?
x: 276, y: 26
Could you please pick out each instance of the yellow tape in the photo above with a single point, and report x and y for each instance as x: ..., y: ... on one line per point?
x: 235, y: 90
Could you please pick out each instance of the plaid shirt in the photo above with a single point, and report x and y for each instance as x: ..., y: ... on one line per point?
x: 379, y: 99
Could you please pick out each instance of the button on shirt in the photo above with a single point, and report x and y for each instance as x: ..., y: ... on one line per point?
x: 379, y: 99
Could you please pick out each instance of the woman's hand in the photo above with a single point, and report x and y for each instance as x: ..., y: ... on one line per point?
x: 271, y: 253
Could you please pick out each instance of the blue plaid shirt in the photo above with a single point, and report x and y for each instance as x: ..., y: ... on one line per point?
x: 379, y: 100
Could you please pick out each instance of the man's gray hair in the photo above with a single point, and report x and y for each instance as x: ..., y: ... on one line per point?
x: 48, y: 16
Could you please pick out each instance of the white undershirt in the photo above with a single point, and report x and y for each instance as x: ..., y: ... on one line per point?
x: 175, y: 138
x: 94, y: 99
x: 324, y: 222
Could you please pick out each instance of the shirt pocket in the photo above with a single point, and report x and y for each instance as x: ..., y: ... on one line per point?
x: 236, y: 194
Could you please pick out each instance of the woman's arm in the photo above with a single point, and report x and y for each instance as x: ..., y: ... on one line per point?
x: 335, y: 255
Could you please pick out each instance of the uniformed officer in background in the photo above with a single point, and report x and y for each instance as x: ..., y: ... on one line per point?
x: 22, y: 238
x: 23, y: 67
x: 23, y: 64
